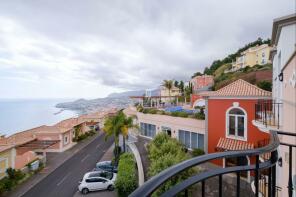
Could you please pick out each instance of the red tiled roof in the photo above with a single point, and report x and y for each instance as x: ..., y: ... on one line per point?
x: 231, y: 144
x: 239, y: 88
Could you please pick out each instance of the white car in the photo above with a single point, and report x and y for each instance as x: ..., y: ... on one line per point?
x: 98, y: 180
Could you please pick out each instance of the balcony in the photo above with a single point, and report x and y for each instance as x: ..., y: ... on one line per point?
x: 268, y: 115
x: 264, y: 173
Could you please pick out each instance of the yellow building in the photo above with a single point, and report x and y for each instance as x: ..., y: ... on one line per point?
x: 175, y: 91
x: 7, y: 159
x: 254, y: 55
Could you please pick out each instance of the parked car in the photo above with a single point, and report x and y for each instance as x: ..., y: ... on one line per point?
x: 107, y: 166
x: 98, y: 180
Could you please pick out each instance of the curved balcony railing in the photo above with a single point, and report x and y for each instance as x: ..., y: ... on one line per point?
x: 269, y: 165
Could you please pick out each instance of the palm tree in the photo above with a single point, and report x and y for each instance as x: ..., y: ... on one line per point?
x: 116, y: 126
x: 169, y: 85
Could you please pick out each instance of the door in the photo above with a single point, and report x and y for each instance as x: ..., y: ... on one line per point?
x: 94, y: 184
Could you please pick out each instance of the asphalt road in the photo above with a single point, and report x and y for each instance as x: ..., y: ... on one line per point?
x: 63, y: 182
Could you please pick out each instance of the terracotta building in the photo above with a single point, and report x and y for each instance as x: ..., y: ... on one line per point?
x: 229, y: 115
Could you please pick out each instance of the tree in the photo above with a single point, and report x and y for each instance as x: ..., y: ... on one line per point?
x: 164, y: 152
x: 176, y: 83
x: 265, y: 85
x: 116, y: 126
x: 181, y: 87
x: 196, y: 74
x: 168, y: 84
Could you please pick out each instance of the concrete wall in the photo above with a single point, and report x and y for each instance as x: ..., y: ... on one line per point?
x: 285, y: 48
x: 175, y: 123
x: 7, y: 160
x: 217, y: 129
x: 22, y: 160
x: 289, y: 123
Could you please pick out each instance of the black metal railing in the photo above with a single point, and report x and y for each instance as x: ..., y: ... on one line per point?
x: 290, y: 146
x: 268, y: 113
x: 267, y: 166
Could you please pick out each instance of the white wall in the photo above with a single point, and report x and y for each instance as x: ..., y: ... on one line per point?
x: 285, y: 48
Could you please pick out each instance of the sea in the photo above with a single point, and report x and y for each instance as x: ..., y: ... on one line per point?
x: 22, y: 114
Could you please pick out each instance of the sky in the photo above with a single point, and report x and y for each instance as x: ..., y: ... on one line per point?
x: 91, y: 48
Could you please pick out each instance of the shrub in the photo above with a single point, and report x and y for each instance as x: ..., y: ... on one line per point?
x: 163, y: 152
x: 179, y: 114
x: 197, y: 152
x: 14, y: 174
x: 265, y: 85
x: 199, y: 116
x: 126, y: 181
x: 8, y: 184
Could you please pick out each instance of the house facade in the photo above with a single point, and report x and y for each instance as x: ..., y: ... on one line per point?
x: 254, y: 55
x: 229, y: 114
x: 7, y: 159
x: 283, y: 57
x: 189, y: 131
x: 201, y: 82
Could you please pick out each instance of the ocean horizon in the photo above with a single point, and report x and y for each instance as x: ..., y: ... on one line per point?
x: 22, y: 114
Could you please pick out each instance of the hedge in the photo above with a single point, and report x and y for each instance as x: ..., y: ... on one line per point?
x: 126, y: 181
x: 12, y: 179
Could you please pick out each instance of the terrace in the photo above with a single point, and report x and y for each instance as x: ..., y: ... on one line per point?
x: 268, y: 115
x: 264, y: 175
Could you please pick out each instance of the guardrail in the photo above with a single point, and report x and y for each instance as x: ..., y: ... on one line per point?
x: 268, y: 165
x: 268, y: 113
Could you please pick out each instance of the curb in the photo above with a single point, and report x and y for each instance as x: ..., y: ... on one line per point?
x: 136, y: 153
x: 63, y: 161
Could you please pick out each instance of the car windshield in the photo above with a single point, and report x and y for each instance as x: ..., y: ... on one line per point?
x: 107, y: 175
x: 107, y: 163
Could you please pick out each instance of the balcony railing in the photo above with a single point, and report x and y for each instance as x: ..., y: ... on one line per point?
x: 267, y: 112
x: 266, y: 167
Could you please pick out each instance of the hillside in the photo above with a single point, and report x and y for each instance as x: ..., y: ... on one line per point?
x: 260, y: 75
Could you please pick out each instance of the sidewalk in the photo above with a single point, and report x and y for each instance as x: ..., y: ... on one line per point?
x: 107, y: 157
x: 54, y: 160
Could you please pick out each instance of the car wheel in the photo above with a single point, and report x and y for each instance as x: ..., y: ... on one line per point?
x: 110, y: 187
x: 84, y: 191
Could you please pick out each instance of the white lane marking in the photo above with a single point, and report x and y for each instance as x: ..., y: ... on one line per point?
x: 63, y: 179
x: 82, y: 160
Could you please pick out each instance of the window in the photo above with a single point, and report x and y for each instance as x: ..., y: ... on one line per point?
x: 148, y: 130
x: 263, y: 54
x: 3, y: 165
x: 95, y: 180
x: 65, y: 139
x: 191, y: 139
x: 236, y: 123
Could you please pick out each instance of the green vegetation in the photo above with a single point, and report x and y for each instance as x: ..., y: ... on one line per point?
x: 126, y: 181
x: 14, y: 177
x: 197, y: 152
x: 232, y: 57
x: 116, y: 126
x: 163, y: 152
x: 169, y: 85
x: 265, y: 85
x: 83, y: 136
x: 247, y: 73
x: 200, y: 115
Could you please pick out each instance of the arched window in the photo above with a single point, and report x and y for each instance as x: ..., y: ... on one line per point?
x: 236, y: 123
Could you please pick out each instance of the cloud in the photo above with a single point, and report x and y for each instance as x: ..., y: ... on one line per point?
x: 56, y: 48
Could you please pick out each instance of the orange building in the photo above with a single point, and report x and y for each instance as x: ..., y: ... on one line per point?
x: 230, y: 112
x: 200, y: 82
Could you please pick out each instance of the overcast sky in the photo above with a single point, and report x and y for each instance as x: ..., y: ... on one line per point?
x: 90, y: 48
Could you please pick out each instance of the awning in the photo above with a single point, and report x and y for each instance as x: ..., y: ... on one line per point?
x: 226, y: 144
x: 39, y: 144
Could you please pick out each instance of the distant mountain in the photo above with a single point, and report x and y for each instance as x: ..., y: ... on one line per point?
x: 119, y: 100
x: 154, y: 92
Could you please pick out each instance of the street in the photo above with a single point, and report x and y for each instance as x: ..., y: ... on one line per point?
x: 63, y: 182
